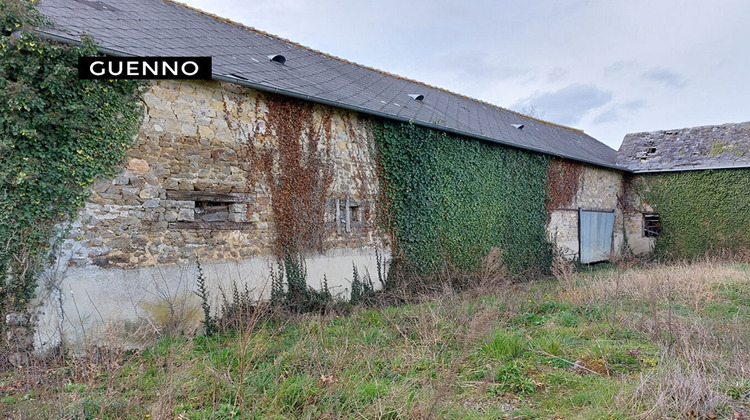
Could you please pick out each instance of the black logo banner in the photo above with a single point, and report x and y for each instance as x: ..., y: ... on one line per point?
x: 144, y: 68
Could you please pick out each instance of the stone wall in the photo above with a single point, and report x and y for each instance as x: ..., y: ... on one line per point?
x: 198, y: 185
x: 197, y: 150
x: 597, y: 188
x: 217, y: 172
x: 635, y: 208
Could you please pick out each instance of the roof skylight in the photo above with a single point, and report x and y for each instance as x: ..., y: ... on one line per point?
x: 278, y: 58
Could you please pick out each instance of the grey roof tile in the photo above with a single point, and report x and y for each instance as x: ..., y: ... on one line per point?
x: 713, y: 146
x: 159, y: 27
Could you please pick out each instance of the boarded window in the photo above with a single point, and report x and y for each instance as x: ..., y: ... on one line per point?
x: 651, y: 225
x: 210, y: 210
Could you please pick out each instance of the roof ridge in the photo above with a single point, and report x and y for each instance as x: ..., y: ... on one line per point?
x: 666, y: 130
x: 386, y: 73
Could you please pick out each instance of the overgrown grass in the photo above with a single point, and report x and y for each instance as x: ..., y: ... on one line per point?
x: 644, y: 342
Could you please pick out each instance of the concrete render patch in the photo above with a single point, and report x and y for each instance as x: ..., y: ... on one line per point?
x: 95, y: 299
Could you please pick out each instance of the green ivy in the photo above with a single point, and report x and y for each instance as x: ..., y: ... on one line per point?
x: 58, y: 135
x: 451, y: 198
x: 701, y: 211
x: 16, y: 13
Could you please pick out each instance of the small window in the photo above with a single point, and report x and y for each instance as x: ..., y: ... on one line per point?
x: 651, y: 225
x: 349, y: 214
x: 356, y: 214
x: 211, y: 211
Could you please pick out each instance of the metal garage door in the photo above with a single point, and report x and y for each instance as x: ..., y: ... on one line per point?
x: 595, y: 234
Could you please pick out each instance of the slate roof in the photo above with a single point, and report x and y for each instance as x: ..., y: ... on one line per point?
x: 240, y: 55
x: 707, y: 147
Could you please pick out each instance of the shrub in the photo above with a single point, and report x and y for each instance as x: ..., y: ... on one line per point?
x: 290, y: 291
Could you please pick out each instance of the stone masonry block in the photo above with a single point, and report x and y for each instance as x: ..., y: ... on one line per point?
x: 186, y: 215
x: 237, y: 217
x: 238, y: 208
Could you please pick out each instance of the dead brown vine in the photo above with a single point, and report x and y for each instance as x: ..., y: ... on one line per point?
x: 298, y: 173
x: 563, y: 181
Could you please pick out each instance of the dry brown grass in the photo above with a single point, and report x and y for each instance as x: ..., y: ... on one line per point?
x: 700, y: 354
x: 690, y: 284
x: 699, y: 357
x: 677, y: 389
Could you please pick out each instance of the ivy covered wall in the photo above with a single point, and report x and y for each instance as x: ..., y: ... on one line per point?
x: 701, y: 211
x: 448, y: 197
x: 58, y: 135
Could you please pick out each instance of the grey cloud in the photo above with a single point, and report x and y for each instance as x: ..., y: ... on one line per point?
x: 556, y: 74
x: 618, y: 67
x: 606, y: 116
x: 633, y: 105
x: 614, y: 113
x: 567, y: 105
x: 665, y: 77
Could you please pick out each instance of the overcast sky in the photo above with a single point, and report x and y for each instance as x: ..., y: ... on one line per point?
x: 607, y: 67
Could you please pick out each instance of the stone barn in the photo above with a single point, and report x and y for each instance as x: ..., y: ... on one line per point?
x: 284, y: 147
x: 688, y: 190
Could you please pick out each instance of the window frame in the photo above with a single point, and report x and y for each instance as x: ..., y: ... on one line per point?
x: 652, y: 227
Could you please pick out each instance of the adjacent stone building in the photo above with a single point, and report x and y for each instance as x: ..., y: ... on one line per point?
x: 692, y: 184
x: 697, y: 148
x: 591, y: 191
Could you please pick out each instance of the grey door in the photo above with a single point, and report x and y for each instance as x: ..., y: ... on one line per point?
x: 595, y: 234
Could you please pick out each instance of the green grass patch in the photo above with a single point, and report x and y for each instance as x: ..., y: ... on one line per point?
x: 529, y: 352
